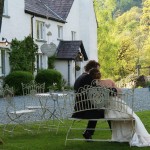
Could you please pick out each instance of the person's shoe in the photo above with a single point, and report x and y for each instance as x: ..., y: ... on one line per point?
x: 87, y: 136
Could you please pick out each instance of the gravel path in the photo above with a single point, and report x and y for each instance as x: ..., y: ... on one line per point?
x: 141, y: 102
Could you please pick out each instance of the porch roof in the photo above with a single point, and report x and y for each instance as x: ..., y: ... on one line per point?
x: 68, y: 50
x: 57, y: 10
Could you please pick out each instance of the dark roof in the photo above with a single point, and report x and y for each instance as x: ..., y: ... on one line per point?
x: 68, y: 50
x: 57, y: 10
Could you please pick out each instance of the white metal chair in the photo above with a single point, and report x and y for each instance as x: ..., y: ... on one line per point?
x: 61, y: 107
x: 49, y: 104
x: 37, y: 103
x: 97, y: 98
x: 40, y: 101
x: 15, y: 116
x: 29, y: 91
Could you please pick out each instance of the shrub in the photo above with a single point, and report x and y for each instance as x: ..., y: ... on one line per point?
x: 14, y: 79
x: 22, y: 56
x: 148, y: 83
x: 141, y: 81
x: 51, y: 78
x: 51, y: 61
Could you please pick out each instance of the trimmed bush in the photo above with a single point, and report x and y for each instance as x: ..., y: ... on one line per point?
x: 14, y: 79
x: 50, y: 77
x: 141, y: 81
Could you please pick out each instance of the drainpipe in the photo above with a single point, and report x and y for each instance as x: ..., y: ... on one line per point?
x: 32, y: 39
x: 1, y: 12
x: 32, y: 26
x: 68, y: 73
x: 75, y: 70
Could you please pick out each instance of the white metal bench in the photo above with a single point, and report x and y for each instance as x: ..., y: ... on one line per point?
x: 96, y: 98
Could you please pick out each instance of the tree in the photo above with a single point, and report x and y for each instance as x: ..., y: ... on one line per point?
x: 22, y: 56
x: 145, y: 19
x: 122, y: 42
x: 127, y: 56
x: 106, y: 44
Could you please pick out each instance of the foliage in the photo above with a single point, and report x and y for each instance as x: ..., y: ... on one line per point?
x: 145, y: 19
x: 15, y: 78
x: 50, y: 77
x: 148, y: 84
x: 51, y: 61
x: 122, y: 42
x: 125, y: 5
x: 107, y: 45
x: 141, y: 81
x: 22, y: 56
x: 77, y: 67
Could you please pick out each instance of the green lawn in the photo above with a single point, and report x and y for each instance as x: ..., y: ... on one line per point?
x: 49, y: 140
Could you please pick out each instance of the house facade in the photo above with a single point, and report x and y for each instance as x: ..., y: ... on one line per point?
x: 70, y: 25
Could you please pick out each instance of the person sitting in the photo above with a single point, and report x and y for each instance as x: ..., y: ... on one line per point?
x: 108, y: 83
x: 85, y: 80
x: 121, y: 131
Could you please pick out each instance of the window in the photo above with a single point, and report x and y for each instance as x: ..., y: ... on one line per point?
x: 39, y: 61
x: 60, y: 32
x: 73, y: 35
x: 2, y: 62
x: 40, y: 26
x: 5, y: 9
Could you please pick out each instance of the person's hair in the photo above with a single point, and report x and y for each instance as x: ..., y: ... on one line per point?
x: 95, y: 73
x: 91, y: 64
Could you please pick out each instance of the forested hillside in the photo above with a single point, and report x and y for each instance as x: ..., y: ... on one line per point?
x: 123, y: 36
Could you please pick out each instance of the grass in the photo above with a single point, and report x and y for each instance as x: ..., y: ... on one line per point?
x: 49, y: 140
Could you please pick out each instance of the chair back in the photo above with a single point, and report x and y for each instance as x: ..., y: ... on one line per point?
x: 8, y: 95
x: 32, y: 88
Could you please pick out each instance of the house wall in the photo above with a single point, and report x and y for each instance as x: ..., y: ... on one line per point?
x: 48, y: 39
x: 71, y: 25
x: 67, y: 69
x: 88, y: 28
x: 81, y: 19
x: 53, y: 29
x: 72, y: 22
x: 15, y: 25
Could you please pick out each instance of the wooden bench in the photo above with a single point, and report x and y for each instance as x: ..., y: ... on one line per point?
x: 92, y: 98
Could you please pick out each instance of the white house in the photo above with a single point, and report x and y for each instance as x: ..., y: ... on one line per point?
x: 69, y: 24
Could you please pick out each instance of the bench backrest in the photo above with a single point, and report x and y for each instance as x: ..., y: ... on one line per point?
x: 100, y: 98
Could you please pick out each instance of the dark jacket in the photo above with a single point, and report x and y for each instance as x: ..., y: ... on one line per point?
x: 81, y: 81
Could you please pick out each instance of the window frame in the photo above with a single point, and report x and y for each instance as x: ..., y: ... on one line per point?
x: 39, y: 61
x: 60, y: 32
x: 40, y: 30
x: 73, y: 35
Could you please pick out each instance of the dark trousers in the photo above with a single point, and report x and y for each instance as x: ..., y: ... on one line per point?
x: 91, y: 126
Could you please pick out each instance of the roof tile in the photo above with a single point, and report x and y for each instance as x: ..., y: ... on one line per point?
x: 69, y: 50
x: 53, y: 9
